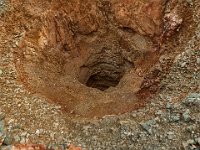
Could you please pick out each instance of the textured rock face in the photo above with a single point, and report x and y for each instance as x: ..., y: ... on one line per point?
x: 144, y: 17
x: 70, y: 46
x: 66, y: 21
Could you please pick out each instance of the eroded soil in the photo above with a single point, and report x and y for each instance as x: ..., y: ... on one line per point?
x: 98, y: 57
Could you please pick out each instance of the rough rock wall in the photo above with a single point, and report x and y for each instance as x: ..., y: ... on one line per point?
x: 66, y: 21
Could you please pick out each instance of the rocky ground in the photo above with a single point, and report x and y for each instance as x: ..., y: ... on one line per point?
x: 170, y: 121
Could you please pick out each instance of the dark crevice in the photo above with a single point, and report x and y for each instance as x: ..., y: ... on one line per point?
x: 127, y: 29
x: 103, y: 71
x: 101, y: 83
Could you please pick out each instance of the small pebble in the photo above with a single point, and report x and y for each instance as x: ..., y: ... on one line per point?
x: 148, y: 125
x: 190, y: 2
x: 170, y: 135
x: 198, y: 60
x: 183, y: 64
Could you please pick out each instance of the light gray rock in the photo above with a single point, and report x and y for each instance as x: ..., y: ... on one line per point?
x: 190, y: 145
x: 198, y: 140
x: 169, y: 106
x: 186, y: 116
x: 148, y: 125
x: 170, y: 135
x: 190, y: 2
x: 159, y: 112
x: 185, y: 145
x: 175, y: 117
x: 192, y: 99
x: 183, y: 64
x: 191, y: 128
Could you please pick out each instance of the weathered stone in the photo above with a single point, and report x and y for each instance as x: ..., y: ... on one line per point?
x: 191, y: 128
x: 183, y: 64
x: 8, y: 140
x: 159, y: 112
x: 186, y: 116
x: 170, y: 135
x: 192, y: 99
x: 190, y: 2
x: 190, y: 144
x: 148, y: 125
x: 175, y: 117
x: 169, y: 106
x: 198, y: 140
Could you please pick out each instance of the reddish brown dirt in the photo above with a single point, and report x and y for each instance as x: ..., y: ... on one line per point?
x: 114, y: 44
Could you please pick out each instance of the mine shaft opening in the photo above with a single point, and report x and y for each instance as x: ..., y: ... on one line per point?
x: 102, y: 76
x: 103, y: 72
x: 102, y: 82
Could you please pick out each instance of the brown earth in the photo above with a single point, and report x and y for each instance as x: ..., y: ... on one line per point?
x: 96, y: 58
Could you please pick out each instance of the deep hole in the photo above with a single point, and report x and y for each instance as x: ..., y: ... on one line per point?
x: 104, y: 69
x: 102, y: 82
x: 127, y: 29
x: 102, y: 75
